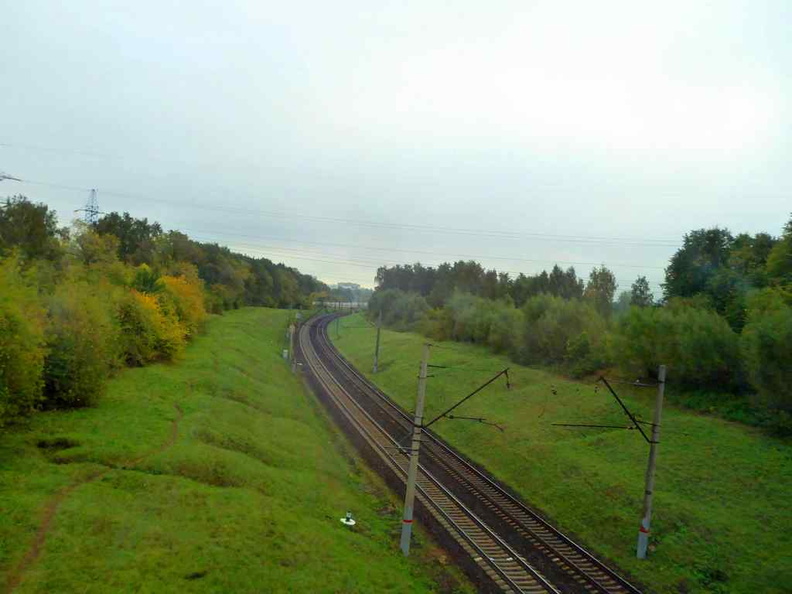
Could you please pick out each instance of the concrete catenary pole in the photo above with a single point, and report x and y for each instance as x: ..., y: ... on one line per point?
x: 376, y: 348
x: 646, y: 520
x: 292, y: 331
x: 412, y: 471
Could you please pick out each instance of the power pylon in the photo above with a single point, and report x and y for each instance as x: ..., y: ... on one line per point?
x: 91, y: 210
x: 6, y: 176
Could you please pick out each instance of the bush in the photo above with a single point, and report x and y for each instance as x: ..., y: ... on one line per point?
x: 147, y: 334
x: 553, y: 328
x: 437, y: 324
x: 584, y: 355
x: 697, y: 345
x: 472, y: 317
x: 184, y: 296
x: 766, y: 345
x: 82, y: 338
x: 505, y: 334
x: 147, y: 280
x: 400, y: 309
x: 21, y: 344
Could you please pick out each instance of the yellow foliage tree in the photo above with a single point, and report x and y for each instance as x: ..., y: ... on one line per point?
x: 148, y: 333
x: 22, y: 324
x: 184, y: 295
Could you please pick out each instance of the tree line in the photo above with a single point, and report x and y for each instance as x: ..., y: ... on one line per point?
x: 78, y: 303
x: 722, y: 325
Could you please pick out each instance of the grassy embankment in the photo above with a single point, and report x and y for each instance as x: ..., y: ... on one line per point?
x: 722, y: 505
x: 216, y: 474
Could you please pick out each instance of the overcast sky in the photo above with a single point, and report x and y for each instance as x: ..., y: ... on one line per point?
x: 336, y: 136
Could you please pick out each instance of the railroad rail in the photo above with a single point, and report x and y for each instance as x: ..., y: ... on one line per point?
x: 505, y: 542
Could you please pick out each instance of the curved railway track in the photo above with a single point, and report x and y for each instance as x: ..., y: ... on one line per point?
x: 500, y: 540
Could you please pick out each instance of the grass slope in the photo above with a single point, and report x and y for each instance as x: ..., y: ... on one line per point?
x: 217, y: 474
x: 722, y: 518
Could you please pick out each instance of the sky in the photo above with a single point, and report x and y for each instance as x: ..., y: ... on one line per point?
x: 337, y: 137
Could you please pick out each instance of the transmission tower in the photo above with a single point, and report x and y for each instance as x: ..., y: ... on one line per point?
x: 91, y: 210
x: 6, y: 176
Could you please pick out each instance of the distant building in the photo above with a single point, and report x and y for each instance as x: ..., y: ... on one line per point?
x: 349, y: 286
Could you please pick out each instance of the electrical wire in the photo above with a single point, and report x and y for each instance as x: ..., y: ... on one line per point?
x: 368, y: 263
x: 424, y: 252
x: 378, y: 263
x: 588, y: 240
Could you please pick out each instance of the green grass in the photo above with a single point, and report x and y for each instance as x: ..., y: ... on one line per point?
x: 722, y: 519
x: 246, y: 499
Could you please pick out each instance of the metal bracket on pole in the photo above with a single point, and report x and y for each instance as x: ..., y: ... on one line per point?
x: 473, y: 393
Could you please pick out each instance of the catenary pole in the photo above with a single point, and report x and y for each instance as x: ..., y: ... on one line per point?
x: 646, y: 520
x: 412, y: 471
x: 292, y: 330
x: 377, y: 347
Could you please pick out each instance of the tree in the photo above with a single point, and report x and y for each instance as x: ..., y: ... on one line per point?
x: 697, y: 344
x: 30, y: 227
x: 147, y: 280
x: 22, y: 343
x: 702, y: 253
x: 92, y: 248
x: 748, y: 257
x: 622, y: 304
x: 600, y: 289
x: 640, y: 293
x: 766, y: 344
x: 779, y: 261
x: 564, y: 283
x: 136, y: 237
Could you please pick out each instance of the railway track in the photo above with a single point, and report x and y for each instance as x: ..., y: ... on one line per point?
x: 501, y: 540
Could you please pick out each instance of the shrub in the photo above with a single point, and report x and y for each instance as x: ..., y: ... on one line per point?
x: 766, y: 345
x: 147, y: 280
x: 505, y: 334
x: 584, y: 355
x: 137, y: 317
x: 437, y: 324
x: 82, y: 338
x: 553, y: 327
x: 400, y: 309
x: 184, y: 296
x: 472, y: 317
x: 219, y: 298
x: 697, y: 345
x: 21, y: 344
x: 147, y: 334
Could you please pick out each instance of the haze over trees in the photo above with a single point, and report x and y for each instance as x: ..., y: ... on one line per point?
x: 78, y: 303
x: 724, y: 325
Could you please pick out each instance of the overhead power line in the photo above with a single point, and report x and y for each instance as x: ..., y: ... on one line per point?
x: 429, y: 253
x: 586, y: 240
x: 275, y: 252
x: 368, y: 263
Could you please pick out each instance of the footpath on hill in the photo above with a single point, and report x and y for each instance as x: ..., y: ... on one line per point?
x: 218, y: 473
x: 722, y: 521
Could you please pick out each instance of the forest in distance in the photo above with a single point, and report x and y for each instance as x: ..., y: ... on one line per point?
x: 723, y: 325
x: 78, y: 303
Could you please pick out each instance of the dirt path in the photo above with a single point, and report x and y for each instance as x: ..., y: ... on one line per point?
x: 54, y: 503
